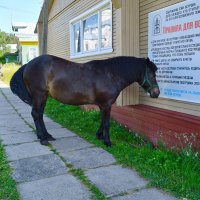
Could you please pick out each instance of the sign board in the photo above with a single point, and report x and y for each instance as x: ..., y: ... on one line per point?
x: 174, y: 46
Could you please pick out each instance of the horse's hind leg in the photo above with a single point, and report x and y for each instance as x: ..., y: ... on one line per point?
x: 39, y: 101
x: 46, y: 134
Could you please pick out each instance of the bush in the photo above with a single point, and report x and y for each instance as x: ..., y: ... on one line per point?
x: 2, y: 60
x: 7, y: 71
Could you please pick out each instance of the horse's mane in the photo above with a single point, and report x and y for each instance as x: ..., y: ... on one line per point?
x: 123, y: 66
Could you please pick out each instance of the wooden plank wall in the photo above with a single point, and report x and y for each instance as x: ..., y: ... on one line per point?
x: 130, y: 44
x: 147, y: 6
x: 39, y: 30
x: 58, y: 6
x: 59, y: 28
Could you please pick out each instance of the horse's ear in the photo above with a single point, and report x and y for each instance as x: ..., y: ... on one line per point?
x: 148, y: 60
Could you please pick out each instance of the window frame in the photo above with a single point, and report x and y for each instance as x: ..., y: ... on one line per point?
x: 79, y: 19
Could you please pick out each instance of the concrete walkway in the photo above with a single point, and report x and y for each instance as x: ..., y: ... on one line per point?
x: 42, y: 174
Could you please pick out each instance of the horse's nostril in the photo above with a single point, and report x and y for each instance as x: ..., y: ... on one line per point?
x: 154, y: 93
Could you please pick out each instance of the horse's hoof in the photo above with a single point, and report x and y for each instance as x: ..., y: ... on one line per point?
x: 44, y: 142
x: 108, y: 144
x: 100, y: 136
x: 50, y: 137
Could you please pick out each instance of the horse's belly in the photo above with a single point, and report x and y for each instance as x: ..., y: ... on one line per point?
x: 73, y: 97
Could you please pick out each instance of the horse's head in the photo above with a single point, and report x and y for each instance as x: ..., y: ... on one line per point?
x: 149, y: 83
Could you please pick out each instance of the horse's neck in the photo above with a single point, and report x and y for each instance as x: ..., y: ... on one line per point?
x: 134, y: 68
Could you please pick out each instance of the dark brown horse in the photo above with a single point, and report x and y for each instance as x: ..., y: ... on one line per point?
x: 97, y: 82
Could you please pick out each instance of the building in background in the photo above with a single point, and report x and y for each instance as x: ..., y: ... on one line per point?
x: 28, y: 41
x: 86, y: 30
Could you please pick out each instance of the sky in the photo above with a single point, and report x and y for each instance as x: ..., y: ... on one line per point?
x: 18, y: 11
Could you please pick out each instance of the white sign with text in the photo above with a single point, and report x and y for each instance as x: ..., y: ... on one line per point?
x: 174, y: 46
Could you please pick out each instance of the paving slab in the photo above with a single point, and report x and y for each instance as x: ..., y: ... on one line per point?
x: 114, y: 179
x: 61, y: 133
x: 70, y: 144
x: 7, y: 112
x: 146, y: 194
x: 27, y: 150
x: 89, y: 158
x: 22, y: 128
x: 49, y: 125
x: 9, y: 108
x: 15, y: 122
x: 4, y: 103
x: 18, y: 138
x: 64, y: 187
x: 14, y: 132
x: 52, y: 125
x: 46, y: 119
x: 6, y: 90
x: 39, y: 167
x: 29, y: 120
x: 24, y: 110
x: 25, y: 115
x: 6, y: 120
x: 9, y: 117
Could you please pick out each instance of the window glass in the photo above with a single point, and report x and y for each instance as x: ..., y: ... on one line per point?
x: 106, y: 28
x: 90, y: 33
x: 32, y: 53
x: 77, y: 37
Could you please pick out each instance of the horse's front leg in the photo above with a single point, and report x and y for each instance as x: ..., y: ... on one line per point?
x: 106, y: 125
x: 99, y: 133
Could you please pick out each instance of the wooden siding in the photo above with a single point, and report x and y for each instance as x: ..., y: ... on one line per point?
x: 147, y: 6
x: 130, y: 44
x: 58, y: 6
x: 39, y: 30
x: 59, y: 29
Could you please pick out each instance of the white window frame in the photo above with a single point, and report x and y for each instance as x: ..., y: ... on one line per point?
x: 79, y: 19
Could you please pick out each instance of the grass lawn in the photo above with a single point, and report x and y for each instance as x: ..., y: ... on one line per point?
x: 177, y: 173
x: 8, y: 70
x: 8, y: 189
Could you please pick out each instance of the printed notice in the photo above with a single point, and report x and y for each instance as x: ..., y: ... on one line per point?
x: 174, y: 46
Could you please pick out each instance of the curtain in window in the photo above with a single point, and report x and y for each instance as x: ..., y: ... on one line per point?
x: 90, y: 33
x: 106, y: 28
x: 77, y: 36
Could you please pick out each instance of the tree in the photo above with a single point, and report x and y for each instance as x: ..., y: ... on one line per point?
x: 6, y: 38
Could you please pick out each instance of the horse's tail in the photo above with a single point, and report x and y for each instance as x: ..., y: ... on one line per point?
x: 18, y: 87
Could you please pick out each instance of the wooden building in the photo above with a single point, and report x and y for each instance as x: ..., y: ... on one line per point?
x: 83, y: 30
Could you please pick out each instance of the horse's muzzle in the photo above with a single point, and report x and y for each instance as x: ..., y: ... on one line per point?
x: 154, y: 92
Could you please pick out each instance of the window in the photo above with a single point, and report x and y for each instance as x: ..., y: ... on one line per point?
x: 32, y: 53
x: 91, y: 32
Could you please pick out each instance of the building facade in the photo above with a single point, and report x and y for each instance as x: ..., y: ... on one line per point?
x: 28, y: 41
x: 83, y: 30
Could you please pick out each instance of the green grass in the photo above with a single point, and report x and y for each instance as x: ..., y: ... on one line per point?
x: 178, y: 173
x: 8, y: 70
x: 8, y: 189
